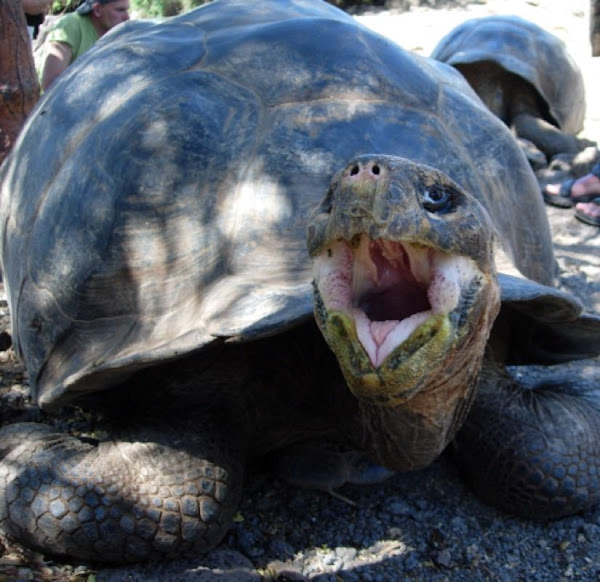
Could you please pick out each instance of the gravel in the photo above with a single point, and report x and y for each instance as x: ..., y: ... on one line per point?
x: 421, y: 526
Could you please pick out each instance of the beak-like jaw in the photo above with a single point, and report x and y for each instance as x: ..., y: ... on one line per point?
x: 392, y: 312
x: 402, y: 306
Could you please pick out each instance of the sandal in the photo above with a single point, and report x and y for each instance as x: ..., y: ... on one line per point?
x: 591, y: 220
x: 564, y: 199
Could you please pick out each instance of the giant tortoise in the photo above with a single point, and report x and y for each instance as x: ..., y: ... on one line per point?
x: 524, y: 74
x: 221, y: 177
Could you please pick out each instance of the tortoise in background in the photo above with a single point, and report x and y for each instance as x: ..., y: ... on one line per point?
x: 233, y: 175
x: 524, y: 74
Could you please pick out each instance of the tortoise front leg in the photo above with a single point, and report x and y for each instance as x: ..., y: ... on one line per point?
x: 547, y: 138
x: 534, y: 451
x: 162, y: 492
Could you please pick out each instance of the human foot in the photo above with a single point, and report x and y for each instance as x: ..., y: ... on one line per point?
x: 566, y: 194
x: 589, y: 212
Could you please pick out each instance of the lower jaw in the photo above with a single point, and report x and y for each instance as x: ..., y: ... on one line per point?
x: 403, y: 373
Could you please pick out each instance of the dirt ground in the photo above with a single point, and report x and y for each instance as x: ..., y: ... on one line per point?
x: 577, y: 248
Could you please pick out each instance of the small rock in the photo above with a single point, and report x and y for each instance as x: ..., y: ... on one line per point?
x: 284, y: 572
x: 411, y: 562
x: 459, y: 526
x: 444, y: 558
x: 347, y: 555
x: 591, y: 531
x: 397, y: 506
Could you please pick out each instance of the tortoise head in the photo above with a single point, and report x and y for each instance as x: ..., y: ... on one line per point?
x: 405, y: 284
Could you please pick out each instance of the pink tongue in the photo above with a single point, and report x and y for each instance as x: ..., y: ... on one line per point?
x: 380, y: 330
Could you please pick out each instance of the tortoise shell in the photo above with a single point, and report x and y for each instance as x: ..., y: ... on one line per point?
x: 528, y: 51
x: 172, y: 213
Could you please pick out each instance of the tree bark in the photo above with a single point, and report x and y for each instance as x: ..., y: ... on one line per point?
x: 19, y: 88
x: 595, y: 27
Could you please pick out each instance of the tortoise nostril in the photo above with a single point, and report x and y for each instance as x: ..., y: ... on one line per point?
x: 354, y: 170
x: 375, y: 170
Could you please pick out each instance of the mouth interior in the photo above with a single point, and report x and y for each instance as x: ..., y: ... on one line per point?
x: 394, y: 294
x: 389, y: 288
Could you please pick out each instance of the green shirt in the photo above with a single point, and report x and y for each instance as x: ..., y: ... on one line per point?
x: 73, y: 29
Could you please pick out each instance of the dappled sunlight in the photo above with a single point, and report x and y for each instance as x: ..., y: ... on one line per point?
x: 169, y: 226
x: 155, y: 135
x: 196, y: 209
x: 258, y: 205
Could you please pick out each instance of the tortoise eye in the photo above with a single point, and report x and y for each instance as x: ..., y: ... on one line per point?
x: 439, y: 199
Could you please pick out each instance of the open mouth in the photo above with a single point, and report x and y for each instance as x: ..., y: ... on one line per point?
x: 389, y: 288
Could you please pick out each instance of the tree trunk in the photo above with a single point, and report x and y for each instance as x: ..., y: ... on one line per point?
x: 595, y: 27
x: 19, y: 88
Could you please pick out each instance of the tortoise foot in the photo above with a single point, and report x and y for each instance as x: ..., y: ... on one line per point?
x: 548, y: 138
x: 115, y: 501
x: 535, y: 452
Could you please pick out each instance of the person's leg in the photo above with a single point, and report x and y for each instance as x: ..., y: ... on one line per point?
x: 566, y: 194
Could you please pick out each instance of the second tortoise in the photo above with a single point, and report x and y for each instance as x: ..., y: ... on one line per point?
x: 524, y: 74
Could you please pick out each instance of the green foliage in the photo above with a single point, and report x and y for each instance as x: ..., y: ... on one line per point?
x: 155, y: 8
x: 63, y: 6
x: 159, y: 8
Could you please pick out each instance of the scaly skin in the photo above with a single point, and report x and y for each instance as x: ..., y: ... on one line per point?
x: 169, y: 486
x: 535, y: 451
x: 118, y: 501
